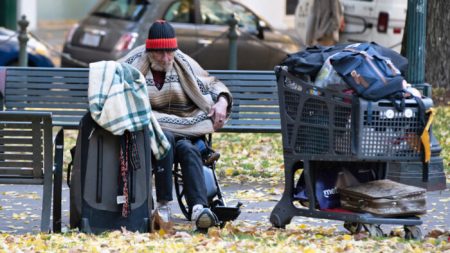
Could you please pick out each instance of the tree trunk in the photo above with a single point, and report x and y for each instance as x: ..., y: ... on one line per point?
x: 437, y: 69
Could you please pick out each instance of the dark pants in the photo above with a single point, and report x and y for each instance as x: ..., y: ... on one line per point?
x: 189, y: 158
x: 163, y: 173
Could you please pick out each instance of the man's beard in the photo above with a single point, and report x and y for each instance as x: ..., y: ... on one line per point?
x: 155, y: 65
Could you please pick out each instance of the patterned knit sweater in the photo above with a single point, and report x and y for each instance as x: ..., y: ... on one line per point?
x: 182, y: 105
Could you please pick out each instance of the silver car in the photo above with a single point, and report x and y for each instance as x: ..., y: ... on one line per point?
x: 114, y: 27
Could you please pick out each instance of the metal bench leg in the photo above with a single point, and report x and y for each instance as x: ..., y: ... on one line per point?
x: 47, y: 189
x: 57, y: 184
x: 46, y: 202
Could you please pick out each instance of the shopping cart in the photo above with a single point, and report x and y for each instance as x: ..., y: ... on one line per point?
x: 327, y: 127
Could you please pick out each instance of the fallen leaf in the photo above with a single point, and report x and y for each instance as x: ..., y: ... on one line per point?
x: 445, y: 200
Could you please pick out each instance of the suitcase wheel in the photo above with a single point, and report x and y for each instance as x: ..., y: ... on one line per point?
x: 374, y: 230
x: 353, y: 227
x: 413, y: 232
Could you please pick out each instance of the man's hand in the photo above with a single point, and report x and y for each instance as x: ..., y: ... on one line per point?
x: 218, y: 113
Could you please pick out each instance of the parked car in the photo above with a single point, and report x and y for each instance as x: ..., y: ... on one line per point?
x: 114, y: 27
x: 381, y: 21
x: 38, y: 53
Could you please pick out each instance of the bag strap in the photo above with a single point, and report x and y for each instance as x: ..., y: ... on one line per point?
x: 426, y: 117
x: 425, y: 139
x: 425, y: 136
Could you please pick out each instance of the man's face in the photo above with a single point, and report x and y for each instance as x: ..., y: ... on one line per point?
x: 161, y: 60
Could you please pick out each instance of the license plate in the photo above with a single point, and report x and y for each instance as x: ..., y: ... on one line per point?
x: 92, y: 40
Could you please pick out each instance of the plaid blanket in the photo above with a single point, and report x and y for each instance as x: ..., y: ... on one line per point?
x: 118, y: 101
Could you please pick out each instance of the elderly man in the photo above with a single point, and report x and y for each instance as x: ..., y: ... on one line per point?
x: 188, y: 103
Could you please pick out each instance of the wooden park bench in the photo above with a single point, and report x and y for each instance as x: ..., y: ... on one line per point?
x: 63, y: 93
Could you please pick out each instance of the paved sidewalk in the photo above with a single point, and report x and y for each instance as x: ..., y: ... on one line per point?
x: 20, y: 207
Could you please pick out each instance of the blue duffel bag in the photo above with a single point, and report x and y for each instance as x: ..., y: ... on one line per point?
x: 370, y: 74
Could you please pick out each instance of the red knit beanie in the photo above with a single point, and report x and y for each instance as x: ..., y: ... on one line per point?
x: 161, y: 36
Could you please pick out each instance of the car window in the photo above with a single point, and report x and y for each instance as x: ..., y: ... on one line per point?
x: 181, y: 11
x: 219, y: 12
x: 121, y: 9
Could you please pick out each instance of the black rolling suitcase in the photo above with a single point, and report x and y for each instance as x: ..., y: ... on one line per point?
x: 98, y: 186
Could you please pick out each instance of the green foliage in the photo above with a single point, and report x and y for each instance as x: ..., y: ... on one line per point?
x: 441, y: 131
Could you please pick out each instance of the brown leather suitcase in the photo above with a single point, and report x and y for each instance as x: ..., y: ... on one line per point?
x: 384, y: 198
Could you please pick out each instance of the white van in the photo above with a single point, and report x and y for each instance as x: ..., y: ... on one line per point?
x: 381, y: 21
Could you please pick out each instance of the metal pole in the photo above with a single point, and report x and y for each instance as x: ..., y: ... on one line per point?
x: 23, y: 39
x: 233, y: 35
x: 415, y: 50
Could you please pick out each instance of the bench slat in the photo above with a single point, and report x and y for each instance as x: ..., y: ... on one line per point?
x: 242, y: 74
x: 47, y: 86
x: 14, y: 133
x: 20, y: 99
x: 17, y: 125
x: 253, y: 96
x: 253, y: 122
x: 18, y: 172
x: 62, y: 114
x: 48, y: 105
x: 16, y: 164
x: 256, y: 102
x: 250, y: 129
x: 19, y: 71
x: 16, y: 141
x: 249, y: 83
x: 67, y: 122
x: 265, y: 109
x: 23, y: 157
x: 68, y: 116
x: 251, y: 89
x: 4, y: 148
x: 47, y: 79
x: 254, y: 116
x: 45, y: 93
